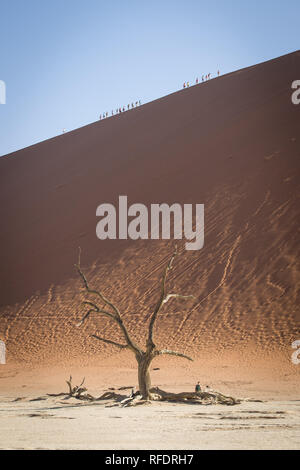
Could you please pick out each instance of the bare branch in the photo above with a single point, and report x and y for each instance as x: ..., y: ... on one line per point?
x: 177, y: 296
x: 69, y: 382
x: 99, y: 310
x: 92, y: 304
x: 93, y: 291
x: 160, y: 302
x: 81, y: 382
x: 85, y: 317
x: 95, y: 309
x: 76, y: 391
x: 174, y: 353
x: 108, y: 341
x: 116, y: 316
x: 131, y: 344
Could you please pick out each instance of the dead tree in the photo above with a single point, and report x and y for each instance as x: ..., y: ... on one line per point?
x: 143, y: 356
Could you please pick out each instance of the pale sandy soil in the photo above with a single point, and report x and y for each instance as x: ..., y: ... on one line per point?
x: 57, y: 424
x: 31, y: 420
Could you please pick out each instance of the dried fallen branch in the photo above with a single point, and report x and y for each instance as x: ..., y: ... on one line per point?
x: 80, y: 393
x: 203, y: 398
x: 200, y: 398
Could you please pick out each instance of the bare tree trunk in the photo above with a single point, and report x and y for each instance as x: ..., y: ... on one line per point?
x: 144, y: 362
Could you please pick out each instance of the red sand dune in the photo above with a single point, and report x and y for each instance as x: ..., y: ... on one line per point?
x: 232, y: 143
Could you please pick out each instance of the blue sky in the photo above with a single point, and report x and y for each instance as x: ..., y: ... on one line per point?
x: 66, y: 61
